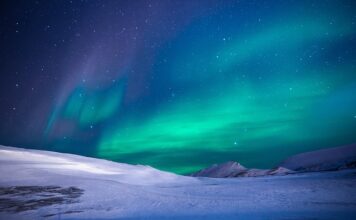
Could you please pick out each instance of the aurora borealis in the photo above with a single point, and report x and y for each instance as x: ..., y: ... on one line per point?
x: 179, y: 85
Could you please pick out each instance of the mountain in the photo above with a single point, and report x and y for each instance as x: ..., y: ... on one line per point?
x: 228, y: 169
x: 321, y: 160
x: 48, y: 185
x: 234, y: 169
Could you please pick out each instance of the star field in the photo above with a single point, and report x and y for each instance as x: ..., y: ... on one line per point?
x: 178, y: 85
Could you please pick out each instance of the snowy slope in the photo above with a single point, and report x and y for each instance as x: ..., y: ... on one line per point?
x: 321, y: 160
x: 73, y: 165
x: 64, y: 186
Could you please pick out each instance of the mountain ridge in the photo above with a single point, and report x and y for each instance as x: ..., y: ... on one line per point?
x: 330, y: 159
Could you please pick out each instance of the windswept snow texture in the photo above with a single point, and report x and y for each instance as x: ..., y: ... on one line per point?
x: 111, y: 190
x: 22, y: 198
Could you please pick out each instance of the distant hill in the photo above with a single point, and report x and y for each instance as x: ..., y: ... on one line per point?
x: 321, y: 160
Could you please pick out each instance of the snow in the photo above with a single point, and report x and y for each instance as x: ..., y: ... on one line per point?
x: 121, y: 191
x: 227, y: 169
x: 52, y: 162
x: 320, y: 160
x: 232, y: 169
x: 68, y: 164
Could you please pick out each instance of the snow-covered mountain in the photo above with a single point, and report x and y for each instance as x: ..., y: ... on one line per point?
x: 321, y: 160
x: 47, y: 185
x: 228, y: 169
x: 234, y: 169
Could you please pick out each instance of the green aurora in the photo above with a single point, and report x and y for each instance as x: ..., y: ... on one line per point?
x: 230, y: 85
x: 244, y: 114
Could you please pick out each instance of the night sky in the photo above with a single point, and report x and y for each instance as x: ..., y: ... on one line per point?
x: 178, y: 85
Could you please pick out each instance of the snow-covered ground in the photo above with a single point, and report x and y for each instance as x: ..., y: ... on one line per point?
x: 64, y: 186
